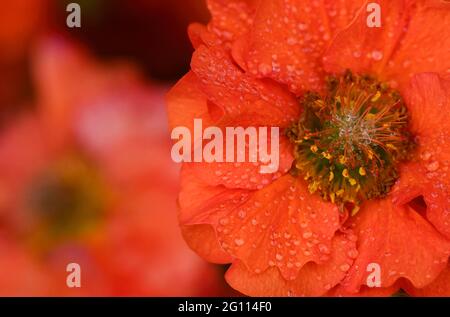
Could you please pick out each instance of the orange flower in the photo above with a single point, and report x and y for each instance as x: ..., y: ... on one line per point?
x: 363, y: 175
x: 20, y: 22
x: 86, y: 179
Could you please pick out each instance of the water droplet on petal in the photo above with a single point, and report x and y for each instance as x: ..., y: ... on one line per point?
x: 344, y: 267
x: 352, y: 254
x: 264, y: 69
x: 377, y: 55
x: 433, y: 166
x: 239, y: 242
x: 224, y: 221
x: 324, y: 249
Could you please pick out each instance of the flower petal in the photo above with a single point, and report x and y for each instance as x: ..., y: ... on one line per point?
x: 400, y: 241
x: 440, y: 287
x: 425, y: 46
x: 186, y: 102
x: 243, y: 99
x: 428, y: 101
x: 203, y: 240
x: 246, y: 175
x: 282, y: 225
x: 313, y: 279
x: 231, y: 18
x: 289, y: 37
x: 366, y: 49
x: 365, y: 291
x: 410, y: 41
x: 199, y: 203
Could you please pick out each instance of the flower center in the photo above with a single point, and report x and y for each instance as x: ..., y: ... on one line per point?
x: 348, y: 142
x: 66, y: 200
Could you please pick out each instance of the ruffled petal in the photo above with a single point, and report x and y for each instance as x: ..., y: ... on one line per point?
x: 246, y: 175
x: 440, y: 287
x: 243, y: 99
x: 313, y: 279
x: 281, y: 225
x: 288, y: 39
x: 429, y: 100
x: 410, y: 41
x: 400, y: 241
x: 363, y: 49
x: 231, y: 19
x: 200, y: 203
x: 203, y: 240
x: 416, y: 183
x: 365, y: 291
x: 186, y: 102
x: 425, y: 46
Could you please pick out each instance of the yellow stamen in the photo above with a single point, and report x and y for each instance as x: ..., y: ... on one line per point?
x: 391, y: 146
x: 313, y: 187
x: 355, y: 210
x: 332, y: 197
x: 345, y: 173
x: 376, y: 97
x: 331, y: 177
x: 362, y: 171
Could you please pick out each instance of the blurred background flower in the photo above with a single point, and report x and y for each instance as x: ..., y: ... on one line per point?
x: 85, y: 168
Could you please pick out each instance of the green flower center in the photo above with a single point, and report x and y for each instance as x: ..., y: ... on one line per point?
x: 67, y: 200
x: 349, y: 142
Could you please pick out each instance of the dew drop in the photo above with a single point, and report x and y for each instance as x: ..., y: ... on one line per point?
x: 433, y: 166
x: 352, y: 254
x: 324, y: 249
x: 377, y: 55
x: 425, y: 156
x: 344, y: 267
x: 356, y: 54
x: 224, y: 221
x: 239, y: 242
x: 302, y: 26
x: 264, y: 69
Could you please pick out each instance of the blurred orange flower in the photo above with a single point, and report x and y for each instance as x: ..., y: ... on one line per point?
x: 20, y: 22
x: 87, y: 179
x: 363, y: 174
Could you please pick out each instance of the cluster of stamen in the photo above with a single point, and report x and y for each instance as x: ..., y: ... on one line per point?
x: 348, y: 142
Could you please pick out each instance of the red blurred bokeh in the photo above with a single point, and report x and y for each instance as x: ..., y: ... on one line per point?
x: 85, y: 168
